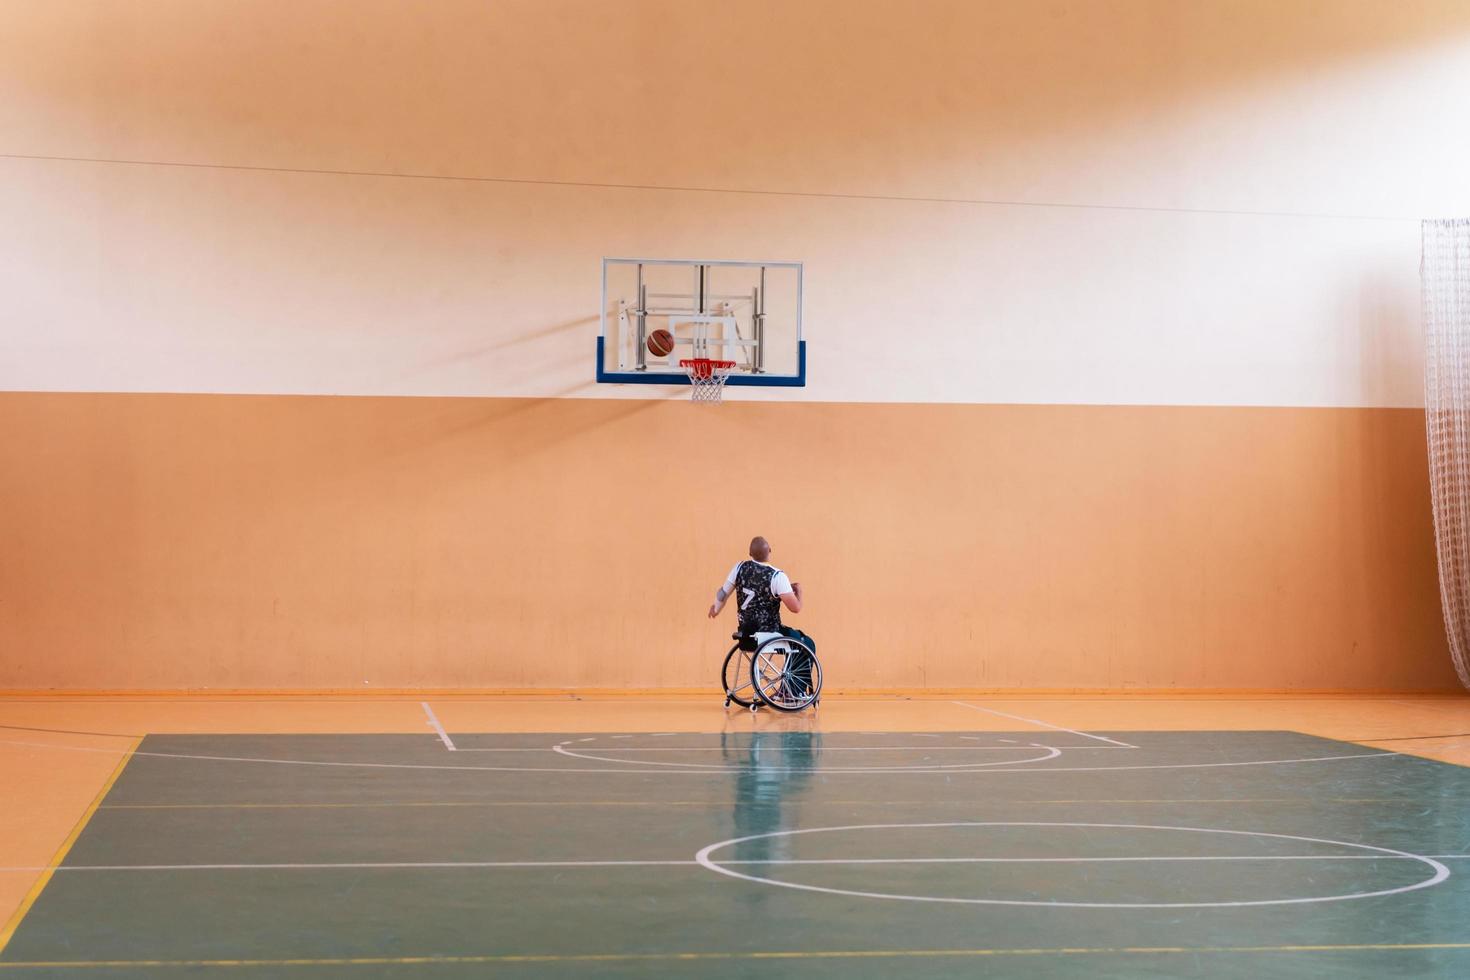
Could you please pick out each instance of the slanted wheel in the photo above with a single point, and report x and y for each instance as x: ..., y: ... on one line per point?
x: 785, y: 674
x: 735, y: 676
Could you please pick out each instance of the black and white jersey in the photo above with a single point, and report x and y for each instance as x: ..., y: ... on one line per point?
x: 757, y: 587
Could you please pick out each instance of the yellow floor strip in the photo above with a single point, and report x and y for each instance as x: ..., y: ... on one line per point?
x: 61, y: 852
x: 686, y: 957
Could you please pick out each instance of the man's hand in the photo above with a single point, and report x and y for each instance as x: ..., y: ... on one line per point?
x: 714, y: 610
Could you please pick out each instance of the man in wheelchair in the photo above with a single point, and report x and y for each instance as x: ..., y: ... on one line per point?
x: 762, y: 589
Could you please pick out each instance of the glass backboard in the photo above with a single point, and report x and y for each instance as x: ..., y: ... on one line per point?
x: 746, y: 312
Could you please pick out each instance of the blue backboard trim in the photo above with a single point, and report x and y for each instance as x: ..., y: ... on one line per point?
x: 797, y: 380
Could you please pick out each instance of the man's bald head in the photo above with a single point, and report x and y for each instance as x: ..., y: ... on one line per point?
x: 760, y: 548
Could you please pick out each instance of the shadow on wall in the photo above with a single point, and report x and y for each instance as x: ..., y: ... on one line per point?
x: 522, y: 361
x: 341, y: 440
x: 518, y: 429
x: 504, y: 344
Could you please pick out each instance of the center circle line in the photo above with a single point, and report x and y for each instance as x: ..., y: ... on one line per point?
x: 1050, y: 752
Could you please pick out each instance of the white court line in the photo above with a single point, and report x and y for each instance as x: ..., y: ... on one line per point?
x: 1440, y: 874
x: 1046, y: 724
x: 434, y: 721
x: 690, y: 772
x: 471, y: 865
x: 818, y: 749
x: 1048, y: 752
x: 1106, y: 860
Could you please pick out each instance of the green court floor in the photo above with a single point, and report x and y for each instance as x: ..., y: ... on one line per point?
x: 1115, y: 854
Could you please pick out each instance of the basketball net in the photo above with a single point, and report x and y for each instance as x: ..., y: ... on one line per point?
x: 1445, y: 272
x: 707, y: 378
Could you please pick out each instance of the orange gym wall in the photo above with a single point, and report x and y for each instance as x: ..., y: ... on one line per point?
x: 1112, y: 308
x: 165, y: 541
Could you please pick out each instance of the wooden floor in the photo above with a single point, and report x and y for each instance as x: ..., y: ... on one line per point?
x: 58, y: 754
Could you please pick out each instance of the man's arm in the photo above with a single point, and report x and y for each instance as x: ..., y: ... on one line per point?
x: 724, y: 592
x: 792, y: 599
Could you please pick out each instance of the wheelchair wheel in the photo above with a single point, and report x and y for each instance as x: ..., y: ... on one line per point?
x: 735, y: 676
x: 785, y: 674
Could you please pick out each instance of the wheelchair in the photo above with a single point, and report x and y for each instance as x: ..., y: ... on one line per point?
x: 771, y: 669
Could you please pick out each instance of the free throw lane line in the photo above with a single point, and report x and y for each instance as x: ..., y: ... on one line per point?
x: 434, y: 723
x: 1046, y: 724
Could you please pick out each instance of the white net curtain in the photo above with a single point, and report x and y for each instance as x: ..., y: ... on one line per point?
x: 1446, y: 278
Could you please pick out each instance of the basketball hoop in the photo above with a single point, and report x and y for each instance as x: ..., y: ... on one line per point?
x: 706, y: 378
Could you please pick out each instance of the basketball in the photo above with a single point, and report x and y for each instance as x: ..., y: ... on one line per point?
x: 660, y: 343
